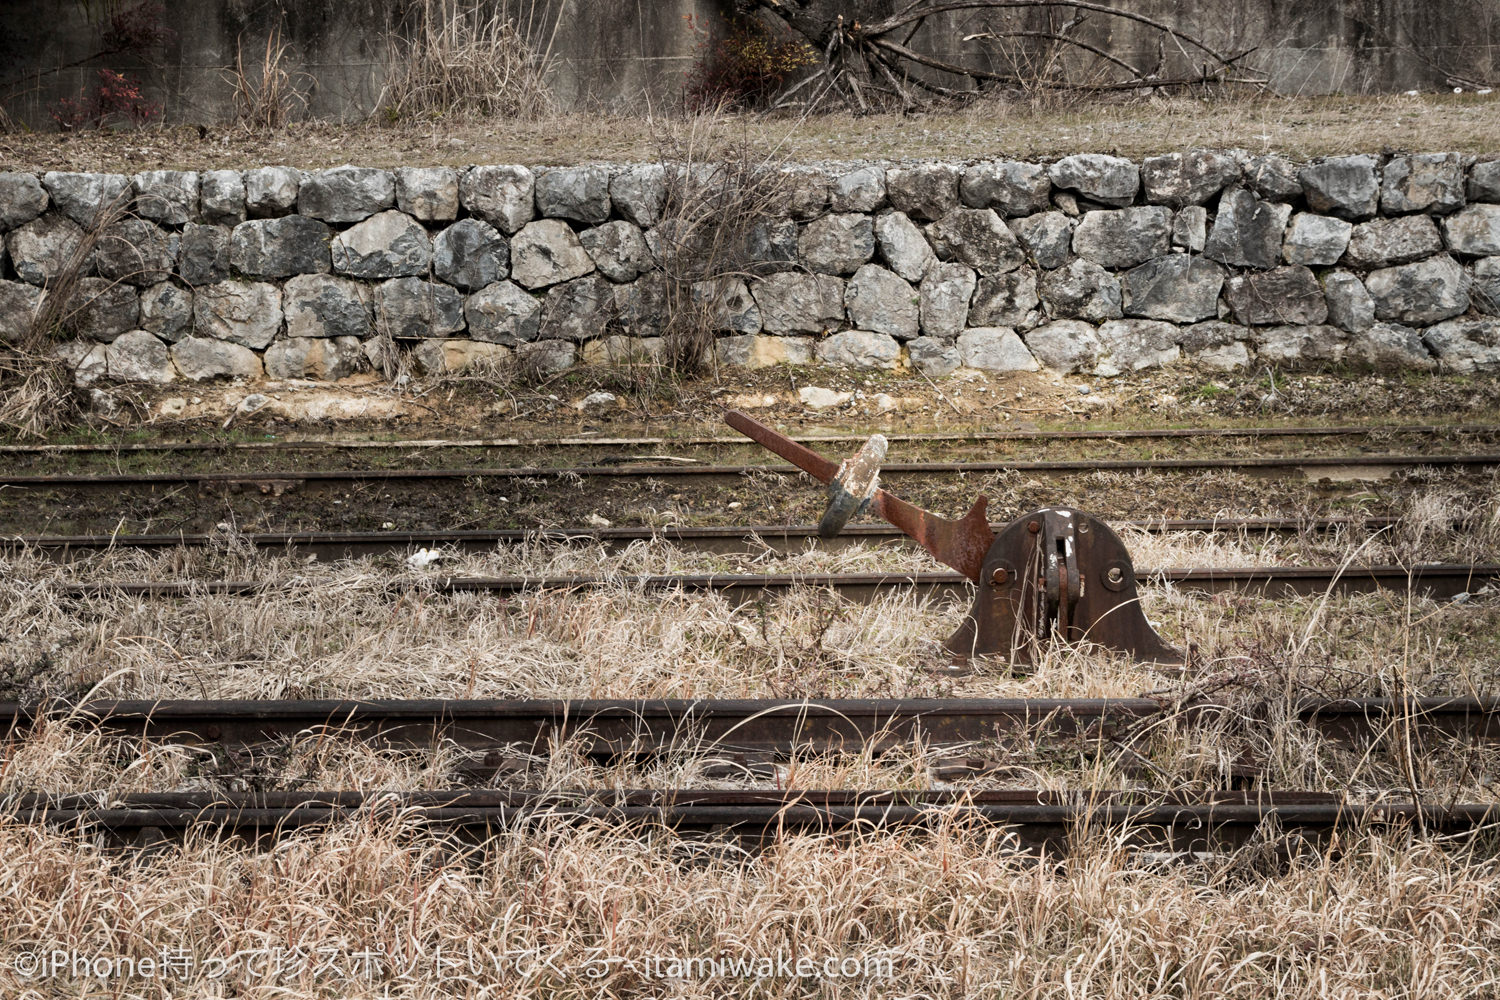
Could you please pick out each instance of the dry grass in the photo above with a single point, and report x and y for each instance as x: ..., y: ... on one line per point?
x: 958, y: 912
x: 265, y: 97
x: 1296, y: 127
x: 471, y: 60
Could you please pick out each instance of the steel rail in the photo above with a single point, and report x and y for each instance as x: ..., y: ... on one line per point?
x: 1439, y: 580
x: 610, y: 728
x: 639, y: 442
x: 1036, y: 817
x: 724, y: 538
x: 297, y: 478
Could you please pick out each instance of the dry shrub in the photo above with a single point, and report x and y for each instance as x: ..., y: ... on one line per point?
x: 464, y: 60
x: 267, y: 99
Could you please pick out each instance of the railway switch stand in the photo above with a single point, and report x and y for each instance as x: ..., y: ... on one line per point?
x: 1052, y: 575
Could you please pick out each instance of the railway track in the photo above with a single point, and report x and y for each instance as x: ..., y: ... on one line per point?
x: 277, y: 483
x: 718, y: 539
x: 589, y: 441
x: 1184, y: 821
x: 1438, y: 580
x: 611, y: 728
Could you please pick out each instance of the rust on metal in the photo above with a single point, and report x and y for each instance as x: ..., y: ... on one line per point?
x: 1055, y: 574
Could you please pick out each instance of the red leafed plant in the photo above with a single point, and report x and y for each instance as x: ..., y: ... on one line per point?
x: 115, y: 98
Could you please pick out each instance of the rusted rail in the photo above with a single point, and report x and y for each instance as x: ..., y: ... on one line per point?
x: 289, y: 480
x: 725, y: 538
x: 634, y: 726
x: 1438, y: 580
x: 1036, y: 818
x: 427, y: 444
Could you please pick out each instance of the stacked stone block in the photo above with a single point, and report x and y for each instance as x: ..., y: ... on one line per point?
x: 1093, y: 264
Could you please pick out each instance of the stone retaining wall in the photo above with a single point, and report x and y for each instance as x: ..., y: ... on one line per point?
x: 1091, y: 264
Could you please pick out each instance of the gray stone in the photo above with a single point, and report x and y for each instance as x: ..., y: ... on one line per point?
x: 1047, y: 237
x: 242, y: 312
x: 1190, y: 178
x: 18, y: 307
x: 22, y: 198
x: 1004, y: 299
x: 1133, y: 344
x: 470, y: 254
x: 639, y: 193
x: 1425, y: 182
x: 1293, y: 344
x: 729, y: 305
x: 617, y: 249
x: 1485, y: 291
x: 545, y: 253
x: 837, y: 244
x: 801, y: 191
x: 944, y: 300
x: 101, y: 309
x: 428, y: 193
x: 388, y: 245
x: 1009, y: 187
x: 410, y: 308
x: 1247, y: 232
x: 860, y: 349
x: 1066, y: 202
x: 1180, y: 288
x: 932, y: 356
x: 345, y: 194
x: 771, y: 243
x: 579, y: 309
x: 200, y: 358
x: 137, y: 356
x: 136, y: 252
x: 1190, y: 228
x: 1386, y: 242
x: 1475, y: 231
x: 1420, y: 294
x: 1288, y: 294
x: 995, y: 349
x: 1082, y: 290
x: 326, y: 359
x: 1345, y: 186
x: 1217, y: 345
x: 271, y: 191
x: 85, y: 198
x: 222, y: 197
x: 1349, y: 304
x: 616, y: 349
x: 502, y: 196
x: 169, y: 197
x: 1273, y: 178
x: 280, y: 248
x: 1065, y: 346
x: 751, y: 351
x: 88, y: 361
x: 977, y: 237
x: 1465, y: 346
x: 641, y: 306
x: 799, y: 303
x: 1484, y: 181
x: 1125, y: 237
x: 926, y: 191
x: 1226, y: 357
x: 167, y: 311
x: 577, y: 193
x: 880, y: 301
x: 1317, y: 240
x: 547, y: 356
x: 1389, y: 347
x: 902, y: 246
x: 858, y: 190
x: 503, y: 314
x: 1109, y: 180
x: 203, y: 254
x: 319, y: 305
x: 41, y: 249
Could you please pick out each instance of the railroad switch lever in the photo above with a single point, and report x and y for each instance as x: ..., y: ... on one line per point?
x: 1055, y: 574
